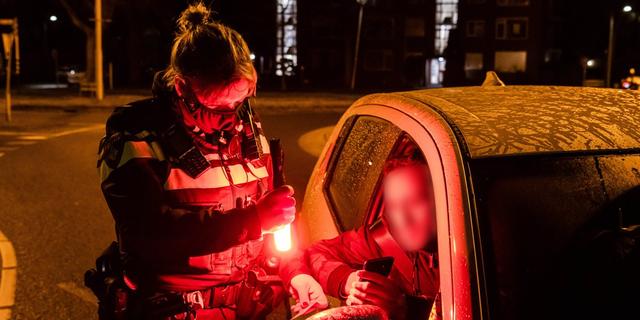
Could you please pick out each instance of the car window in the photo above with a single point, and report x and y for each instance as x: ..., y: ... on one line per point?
x: 621, y: 177
x: 539, y: 219
x: 356, y: 166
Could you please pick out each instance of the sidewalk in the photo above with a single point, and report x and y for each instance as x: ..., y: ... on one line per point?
x: 266, y: 102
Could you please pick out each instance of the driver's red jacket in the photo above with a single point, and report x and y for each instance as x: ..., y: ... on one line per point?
x: 331, y: 261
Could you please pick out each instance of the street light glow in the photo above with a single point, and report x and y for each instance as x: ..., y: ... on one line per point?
x: 53, y: 18
x: 627, y: 8
x: 591, y: 63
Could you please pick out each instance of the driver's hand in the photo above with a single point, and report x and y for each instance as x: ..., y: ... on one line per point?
x: 305, y: 289
x: 375, y: 289
x: 276, y: 209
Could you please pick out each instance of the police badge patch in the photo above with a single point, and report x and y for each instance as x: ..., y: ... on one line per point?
x: 110, y: 150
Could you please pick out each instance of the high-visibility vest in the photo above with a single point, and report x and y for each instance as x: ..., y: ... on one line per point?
x: 226, y: 184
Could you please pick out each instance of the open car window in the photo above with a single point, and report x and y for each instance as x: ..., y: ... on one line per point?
x: 356, y: 166
x: 404, y: 147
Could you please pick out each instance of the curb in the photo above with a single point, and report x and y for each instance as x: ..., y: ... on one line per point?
x: 7, y: 277
x: 267, y: 102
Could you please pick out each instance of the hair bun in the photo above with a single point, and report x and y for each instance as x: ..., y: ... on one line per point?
x: 195, y: 15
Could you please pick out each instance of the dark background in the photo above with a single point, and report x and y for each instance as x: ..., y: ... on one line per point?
x: 562, y: 35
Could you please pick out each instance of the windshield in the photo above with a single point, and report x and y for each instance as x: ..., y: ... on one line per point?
x: 538, y: 218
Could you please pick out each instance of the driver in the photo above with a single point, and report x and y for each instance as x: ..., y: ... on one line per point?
x: 334, y: 265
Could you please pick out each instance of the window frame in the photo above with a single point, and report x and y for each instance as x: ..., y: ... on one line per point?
x: 460, y: 260
x: 343, y: 136
x: 473, y: 25
x: 505, y: 23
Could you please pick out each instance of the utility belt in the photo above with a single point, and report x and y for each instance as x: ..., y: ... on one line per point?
x: 254, y: 297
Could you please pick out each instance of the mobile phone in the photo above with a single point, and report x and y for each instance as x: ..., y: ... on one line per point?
x: 380, y: 266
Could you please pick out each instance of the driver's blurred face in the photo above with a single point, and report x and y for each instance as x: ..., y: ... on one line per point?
x: 409, y: 209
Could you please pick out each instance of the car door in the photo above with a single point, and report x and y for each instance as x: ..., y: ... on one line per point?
x: 341, y: 190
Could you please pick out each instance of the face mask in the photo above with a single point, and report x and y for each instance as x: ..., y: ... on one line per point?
x: 208, y: 119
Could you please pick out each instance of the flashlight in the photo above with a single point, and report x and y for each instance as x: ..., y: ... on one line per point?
x: 282, y: 239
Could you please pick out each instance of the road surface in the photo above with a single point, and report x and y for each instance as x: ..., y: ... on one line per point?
x: 52, y: 210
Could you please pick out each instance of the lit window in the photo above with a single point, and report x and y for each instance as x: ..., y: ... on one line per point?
x: 511, y: 61
x: 446, y: 19
x: 473, y: 61
x: 286, y: 50
x: 512, y: 28
x: 473, y: 65
x: 437, y: 68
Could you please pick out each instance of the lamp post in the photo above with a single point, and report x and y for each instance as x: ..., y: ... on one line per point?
x: 98, y: 54
x: 612, y: 23
x: 362, y: 3
x: 11, y: 45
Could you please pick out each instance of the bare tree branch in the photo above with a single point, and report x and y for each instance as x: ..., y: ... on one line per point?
x: 75, y: 19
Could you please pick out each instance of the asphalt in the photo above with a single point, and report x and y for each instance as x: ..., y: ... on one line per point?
x: 268, y: 101
x: 53, y: 212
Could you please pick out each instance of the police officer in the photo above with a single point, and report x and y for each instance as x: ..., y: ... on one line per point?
x: 187, y: 177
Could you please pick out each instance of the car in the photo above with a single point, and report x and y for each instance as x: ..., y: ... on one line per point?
x: 535, y: 187
x: 70, y: 74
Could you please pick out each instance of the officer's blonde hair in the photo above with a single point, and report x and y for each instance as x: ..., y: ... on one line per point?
x: 208, y: 50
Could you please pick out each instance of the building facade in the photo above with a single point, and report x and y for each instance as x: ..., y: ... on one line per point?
x: 397, y: 43
x: 522, y: 40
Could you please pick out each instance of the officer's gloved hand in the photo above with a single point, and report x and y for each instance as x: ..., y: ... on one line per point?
x: 276, y: 209
x: 307, y: 292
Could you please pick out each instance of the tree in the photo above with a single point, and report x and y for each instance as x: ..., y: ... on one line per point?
x: 81, y: 14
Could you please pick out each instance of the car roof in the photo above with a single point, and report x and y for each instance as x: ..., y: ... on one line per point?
x: 510, y: 120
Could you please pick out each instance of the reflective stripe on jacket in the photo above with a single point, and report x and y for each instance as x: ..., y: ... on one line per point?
x: 179, y: 233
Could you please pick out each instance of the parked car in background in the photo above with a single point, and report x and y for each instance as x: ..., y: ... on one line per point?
x: 70, y: 75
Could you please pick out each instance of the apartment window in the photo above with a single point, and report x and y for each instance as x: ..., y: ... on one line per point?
x: 552, y: 55
x: 286, y: 51
x: 475, y: 28
x: 473, y: 61
x: 511, y: 61
x: 378, y: 60
x: 379, y: 28
x: 446, y: 19
x: 512, y: 28
x: 512, y: 3
x: 414, y: 27
x: 473, y: 65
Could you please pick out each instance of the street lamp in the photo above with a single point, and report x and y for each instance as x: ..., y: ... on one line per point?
x: 362, y: 3
x: 625, y: 9
x: 98, y: 53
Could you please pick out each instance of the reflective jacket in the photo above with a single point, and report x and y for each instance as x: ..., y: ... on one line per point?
x: 179, y: 233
